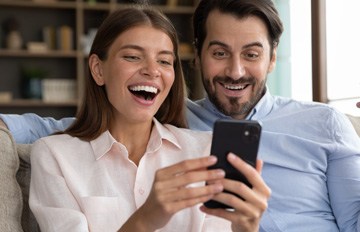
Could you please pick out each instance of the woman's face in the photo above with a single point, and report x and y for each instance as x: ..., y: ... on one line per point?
x: 138, y: 73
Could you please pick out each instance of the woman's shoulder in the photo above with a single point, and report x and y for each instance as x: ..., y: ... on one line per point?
x: 60, y: 142
x: 189, y: 134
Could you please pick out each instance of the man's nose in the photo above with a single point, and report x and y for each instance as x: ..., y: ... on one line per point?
x: 235, y: 68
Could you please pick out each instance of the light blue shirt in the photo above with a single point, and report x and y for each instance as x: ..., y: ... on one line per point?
x: 311, y: 157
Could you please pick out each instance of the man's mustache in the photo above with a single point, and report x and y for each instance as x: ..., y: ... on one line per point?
x: 229, y: 80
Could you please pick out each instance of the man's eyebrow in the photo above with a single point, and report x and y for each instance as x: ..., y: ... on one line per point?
x: 254, y: 44
x: 217, y: 42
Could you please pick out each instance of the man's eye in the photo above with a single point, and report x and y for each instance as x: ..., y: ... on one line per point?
x: 251, y: 56
x: 219, y: 54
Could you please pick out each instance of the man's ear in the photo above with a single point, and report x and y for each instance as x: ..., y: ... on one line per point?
x: 196, y: 59
x: 273, y: 60
x: 96, y: 70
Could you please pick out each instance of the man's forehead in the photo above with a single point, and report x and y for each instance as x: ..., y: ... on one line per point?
x: 244, y: 31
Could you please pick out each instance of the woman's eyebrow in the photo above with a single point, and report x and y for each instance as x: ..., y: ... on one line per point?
x: 136, y: 47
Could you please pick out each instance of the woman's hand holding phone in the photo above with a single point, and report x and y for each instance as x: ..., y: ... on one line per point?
x: 247, y: 210
x: 245, y: 195
x: 171, y: 192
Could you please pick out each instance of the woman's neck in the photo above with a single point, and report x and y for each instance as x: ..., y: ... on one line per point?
x: 134, y: 137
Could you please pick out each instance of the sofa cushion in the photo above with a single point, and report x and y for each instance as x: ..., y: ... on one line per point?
x: 28, y: 220
x: 355, y: 122
x: 10, y: 192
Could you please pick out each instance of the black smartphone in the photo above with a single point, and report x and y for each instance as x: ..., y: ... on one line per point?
x: 240, y: 137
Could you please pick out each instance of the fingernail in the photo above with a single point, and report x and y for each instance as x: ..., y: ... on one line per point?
x: 212, y: 159
x: 219, y: 188
x: 220, y: 173
x: 231, y: 156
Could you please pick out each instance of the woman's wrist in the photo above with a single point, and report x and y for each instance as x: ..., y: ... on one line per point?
x: 135, y: 223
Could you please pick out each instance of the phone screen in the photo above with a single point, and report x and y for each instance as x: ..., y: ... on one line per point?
x: 240, y: 137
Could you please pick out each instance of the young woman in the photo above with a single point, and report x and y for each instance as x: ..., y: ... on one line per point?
x: 127, y: 163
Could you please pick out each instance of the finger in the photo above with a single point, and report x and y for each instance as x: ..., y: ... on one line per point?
x: 247, y: 200
x: 192, y: 192
x: 187, y: 178
x: 185, y: 166
x: 183, y: 204
x: 231, y: 215
x: 251, y: 174
x: 175, y: 201
x: 259, y: 166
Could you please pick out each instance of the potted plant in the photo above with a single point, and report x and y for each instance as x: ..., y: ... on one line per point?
x: 31, y: 82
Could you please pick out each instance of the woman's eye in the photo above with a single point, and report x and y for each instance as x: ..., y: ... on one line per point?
x: 165, y: 62
x: 131, y: 58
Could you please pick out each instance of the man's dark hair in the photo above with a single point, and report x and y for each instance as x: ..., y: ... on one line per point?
x: 263, y: 9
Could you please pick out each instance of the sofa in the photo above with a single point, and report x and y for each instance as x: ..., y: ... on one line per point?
x: 15, y: 214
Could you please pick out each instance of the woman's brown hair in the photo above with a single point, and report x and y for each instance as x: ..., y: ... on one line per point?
x: 96, y: 112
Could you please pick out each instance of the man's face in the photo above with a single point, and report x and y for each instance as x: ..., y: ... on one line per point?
x: 235, y: 60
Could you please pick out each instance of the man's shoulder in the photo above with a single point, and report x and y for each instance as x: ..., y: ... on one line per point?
x: 297, y: 106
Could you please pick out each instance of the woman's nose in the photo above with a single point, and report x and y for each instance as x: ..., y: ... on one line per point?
x: 150, y: 69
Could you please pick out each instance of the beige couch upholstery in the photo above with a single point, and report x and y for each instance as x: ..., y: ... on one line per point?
x: 15, y: 214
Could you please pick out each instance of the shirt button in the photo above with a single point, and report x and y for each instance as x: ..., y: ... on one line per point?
x: 141, y: 191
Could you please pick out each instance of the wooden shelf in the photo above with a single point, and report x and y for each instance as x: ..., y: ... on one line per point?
x: 37, y: 103
x: 26, y: 53
x: 81, y: 16
x: 39, y: 4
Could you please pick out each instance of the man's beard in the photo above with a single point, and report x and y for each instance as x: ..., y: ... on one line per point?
x: 233, y: 108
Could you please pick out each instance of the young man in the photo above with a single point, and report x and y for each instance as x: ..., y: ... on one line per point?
x: 311, y: 152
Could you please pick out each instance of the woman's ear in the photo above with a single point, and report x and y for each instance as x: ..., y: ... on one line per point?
x: 272, y: 64
x: 96, y: 70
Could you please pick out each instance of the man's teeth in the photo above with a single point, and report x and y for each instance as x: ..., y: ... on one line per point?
x: 234, y: 87
x: 149, y: 89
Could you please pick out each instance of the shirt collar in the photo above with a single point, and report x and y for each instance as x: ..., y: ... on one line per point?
x: 263, y: 107
x: 105, y: 142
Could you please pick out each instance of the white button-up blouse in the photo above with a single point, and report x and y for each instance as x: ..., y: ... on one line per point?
x: 94, y: 186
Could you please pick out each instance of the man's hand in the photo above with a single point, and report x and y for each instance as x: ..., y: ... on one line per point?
x: 2, y: 124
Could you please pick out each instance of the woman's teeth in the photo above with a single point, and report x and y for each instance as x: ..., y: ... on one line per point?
x: 149, y: 89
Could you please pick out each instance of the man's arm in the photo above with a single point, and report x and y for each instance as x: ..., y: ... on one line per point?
x: 27, y: 128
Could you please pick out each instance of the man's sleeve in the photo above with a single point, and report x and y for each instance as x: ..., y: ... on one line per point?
x: 343, y: 175
x: 27, y: 128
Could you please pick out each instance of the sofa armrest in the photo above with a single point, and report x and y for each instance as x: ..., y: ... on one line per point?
x: 355, y: 122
